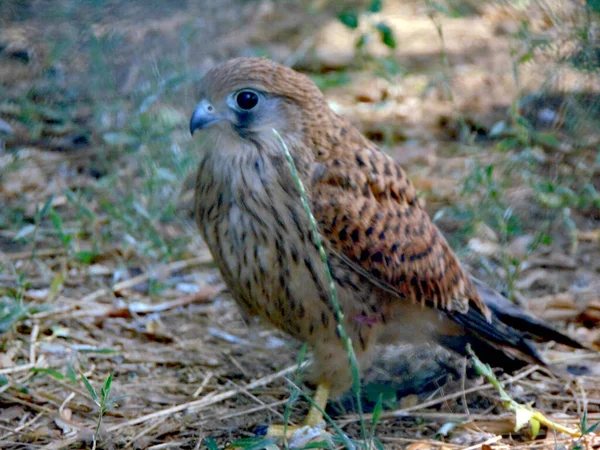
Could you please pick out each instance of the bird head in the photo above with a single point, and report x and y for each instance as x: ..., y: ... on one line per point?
x: 242, y: 100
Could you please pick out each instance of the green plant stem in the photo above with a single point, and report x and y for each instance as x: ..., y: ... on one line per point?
x: 339, y: 315
x: 485, y: 370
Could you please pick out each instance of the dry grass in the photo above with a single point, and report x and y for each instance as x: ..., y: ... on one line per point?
x: 102, y: 271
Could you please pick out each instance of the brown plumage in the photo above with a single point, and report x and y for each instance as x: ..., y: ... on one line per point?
x: 397, y: 277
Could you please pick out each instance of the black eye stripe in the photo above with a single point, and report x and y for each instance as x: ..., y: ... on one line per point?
x: 246, y: 100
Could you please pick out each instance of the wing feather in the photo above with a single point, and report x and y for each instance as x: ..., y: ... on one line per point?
x: 369, y: 214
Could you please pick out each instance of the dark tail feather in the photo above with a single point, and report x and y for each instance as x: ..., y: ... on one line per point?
x: 494, y: 342
x: 505, y: 341
x: 490, y: 354
x: 516, y: 318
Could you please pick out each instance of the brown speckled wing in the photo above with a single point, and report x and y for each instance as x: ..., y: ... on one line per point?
x: 368, y: 212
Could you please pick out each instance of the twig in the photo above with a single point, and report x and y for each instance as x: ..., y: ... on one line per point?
x: 205, y: 401
x: 554, y: 444
x: 419, y: 441
x: 205, y: 381
x: 573, y: 356
x: 481, y: 444
x: 457, y: 417
x: 20, y: 428
x: 404, y: 412
x: 65, y: 403
x: 138, y: 308
x: 257, y: 400
x: 564, y: 398
x: 38, y: 253
x: 145, y: 431
x: 177, y: 265
x: 463, y: 381
x: 83, y: 301
x: 242, y: 413
x: 17, y: 369
x: 19, y: 382
x: 12, y: 398
x: 33, y: 341
x: 535, y: 418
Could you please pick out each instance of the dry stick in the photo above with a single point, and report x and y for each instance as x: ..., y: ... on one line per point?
x: 177, y: 265
x: 20, y: 382
x: 257, y: 400
x: 205, y: 381
x: 208, y: 400
x: 64, y: 404
x: 403, y: 412
x: 463, y: 385
x: 564, y: 398
x: 554, y: 444
x: 481, y: 444
x: 33, y: 341
x: 473, y: 418
x: 57, y: 445
x: 204, y: 294
x: 86, y: 299
x: 20, y: 428
x: 139, y: 308
x: 242, y: 413
x: 574, y: 357
x: 175, y: 444
x: 24, y: 255
x: 16, y: 369
x: 14, y: 399
x: 419, y: 441
x: 447, y: 416
x: 205, y: 401
x: 145, y: 431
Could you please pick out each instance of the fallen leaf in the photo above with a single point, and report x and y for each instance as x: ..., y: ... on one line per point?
x: 68, y: 428
x: 589, y: 236
x: 10, y: 413
x: 591, y: 312
x: 419, y: 446
x: 561, y: 306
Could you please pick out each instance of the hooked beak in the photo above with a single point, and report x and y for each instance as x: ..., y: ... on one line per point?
x: 203, y: 117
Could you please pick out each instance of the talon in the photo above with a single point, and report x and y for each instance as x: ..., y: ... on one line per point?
x: 313, y: 419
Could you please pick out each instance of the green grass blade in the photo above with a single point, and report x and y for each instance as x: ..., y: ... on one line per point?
x: 90, y: 389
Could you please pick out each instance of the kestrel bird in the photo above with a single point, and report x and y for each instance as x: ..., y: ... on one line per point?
x: 396, y: 276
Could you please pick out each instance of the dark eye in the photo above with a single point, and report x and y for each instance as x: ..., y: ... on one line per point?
x: 246, y: 100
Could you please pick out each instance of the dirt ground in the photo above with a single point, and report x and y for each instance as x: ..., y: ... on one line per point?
x: 492, y: 108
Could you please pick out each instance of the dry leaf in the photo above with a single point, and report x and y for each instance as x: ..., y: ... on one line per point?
x: 590, y: 235
x: 68, y: 428
x: 409, y: 401
x: 419, y: 446
x: 555, y: 307
x: 66, y: 413
x: 12, y: 412
x: 591, y: 312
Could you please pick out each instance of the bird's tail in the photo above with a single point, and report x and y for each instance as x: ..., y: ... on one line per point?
x: 518, y: 319
x: 506, y: 341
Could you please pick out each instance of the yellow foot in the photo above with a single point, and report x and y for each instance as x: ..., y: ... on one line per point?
x: 290, y: 430
x: 300, y: 436
x: 313, y: 424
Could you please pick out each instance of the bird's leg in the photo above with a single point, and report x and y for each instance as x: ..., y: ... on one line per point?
x: 318, y: 404
x: 313, y: 418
